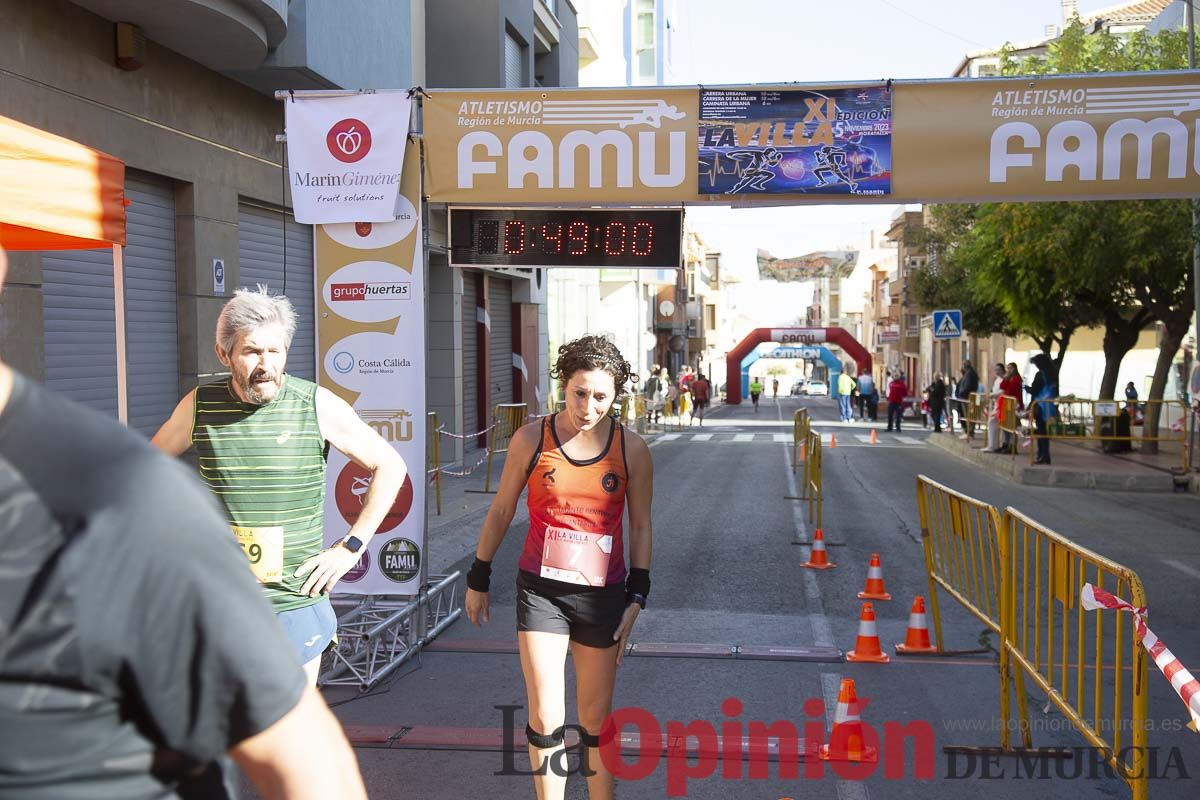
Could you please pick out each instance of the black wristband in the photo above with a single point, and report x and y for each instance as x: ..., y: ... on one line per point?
x: 638, y: 582
x: 479, y: 577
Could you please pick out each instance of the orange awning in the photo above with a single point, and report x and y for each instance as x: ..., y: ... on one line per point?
x: 56, y: 194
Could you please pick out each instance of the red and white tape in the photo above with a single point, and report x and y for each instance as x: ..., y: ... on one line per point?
x: 1187, y: 687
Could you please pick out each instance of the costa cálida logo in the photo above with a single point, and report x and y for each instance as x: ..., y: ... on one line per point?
x: 349, y: 140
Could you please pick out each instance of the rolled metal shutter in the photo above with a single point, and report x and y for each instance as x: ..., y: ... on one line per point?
x: 79, y: 325
x: 470, y: 365
x: 284, y: 264
x: 514, y: 62
x: 151, y: 335
x: 500, y: 305
x: 80, y: 319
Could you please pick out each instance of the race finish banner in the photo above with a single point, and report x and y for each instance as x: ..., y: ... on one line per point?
x: 1049, y: 138
x: 344, y: 155
x: 371, y: 341
x: 632, y: 146
x: 799, y: 141
x: 1055, y: 137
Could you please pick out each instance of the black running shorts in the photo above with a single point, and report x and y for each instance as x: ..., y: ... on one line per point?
x: 589, y: 616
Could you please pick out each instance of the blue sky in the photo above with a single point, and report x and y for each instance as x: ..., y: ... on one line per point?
x: 761, y: 41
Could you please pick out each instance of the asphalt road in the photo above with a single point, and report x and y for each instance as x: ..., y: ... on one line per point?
x: 726, y: 572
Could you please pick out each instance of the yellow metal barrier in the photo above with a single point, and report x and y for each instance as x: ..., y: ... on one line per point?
x: 506, y: 419
x: 978, y: 407
x: 1010, y: 422
x: 1081, y: 420
x: 1049, y: 636
x: 965, y: 555
x: 813, y: 485
x: 800, y: 428
x: 435, y: 456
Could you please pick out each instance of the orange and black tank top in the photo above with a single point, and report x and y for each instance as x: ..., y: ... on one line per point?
x: 576, y: 512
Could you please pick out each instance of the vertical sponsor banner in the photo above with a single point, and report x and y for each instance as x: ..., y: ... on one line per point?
x: 371, y: 339
x: 344, y: 155
x: 796, y: 141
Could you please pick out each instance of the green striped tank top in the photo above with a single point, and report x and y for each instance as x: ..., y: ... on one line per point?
x: 266, y: 464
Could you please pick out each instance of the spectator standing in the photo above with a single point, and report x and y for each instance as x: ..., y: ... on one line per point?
x: 1043, y: 392
x: 866, y: 388
x: 897, y: 393
x: 937, y: 400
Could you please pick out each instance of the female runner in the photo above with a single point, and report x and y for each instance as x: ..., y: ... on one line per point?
x: 582, y: 468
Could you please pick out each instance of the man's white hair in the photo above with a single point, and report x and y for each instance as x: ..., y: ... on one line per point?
x: 250, y: 309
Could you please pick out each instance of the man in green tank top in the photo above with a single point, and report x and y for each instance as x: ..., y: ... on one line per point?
x: 261, y: 438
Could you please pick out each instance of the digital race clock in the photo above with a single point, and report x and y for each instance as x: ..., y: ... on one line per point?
x: 489, y: 237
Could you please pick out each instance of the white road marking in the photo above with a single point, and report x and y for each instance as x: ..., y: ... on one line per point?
x: 669, y: 437
x: 1184, y: 568
x: 744, y: 437
x: 786, y: 438
x: 702, y: 437
x: 907, y: 439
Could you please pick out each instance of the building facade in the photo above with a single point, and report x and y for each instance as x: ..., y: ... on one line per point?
x: 489, y: 329
x: 182, y: 92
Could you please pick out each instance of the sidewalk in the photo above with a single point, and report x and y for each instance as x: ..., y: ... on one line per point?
x: 1074, y: 466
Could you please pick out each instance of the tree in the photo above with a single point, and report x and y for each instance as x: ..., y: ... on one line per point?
x: 1162, y: 280
x: 1052, y: 268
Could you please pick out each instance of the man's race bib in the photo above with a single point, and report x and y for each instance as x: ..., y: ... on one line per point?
x: 264, y: 548
x: 576, y: 556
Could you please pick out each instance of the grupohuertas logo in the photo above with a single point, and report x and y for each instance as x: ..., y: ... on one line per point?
x: 349, y: 140
x: 400, y: 560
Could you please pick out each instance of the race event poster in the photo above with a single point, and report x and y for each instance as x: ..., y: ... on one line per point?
x: 796, y: 141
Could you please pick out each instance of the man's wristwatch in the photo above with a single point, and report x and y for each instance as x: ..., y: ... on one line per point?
x: 351, y: 543
x: 640, y: 599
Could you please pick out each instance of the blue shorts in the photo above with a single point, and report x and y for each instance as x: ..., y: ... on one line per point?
x: 311, y: 629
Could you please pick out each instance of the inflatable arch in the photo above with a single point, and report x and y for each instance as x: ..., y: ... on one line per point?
x: 792, y: 337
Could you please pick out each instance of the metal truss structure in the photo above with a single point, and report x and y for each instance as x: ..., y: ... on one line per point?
x: 379, y: 633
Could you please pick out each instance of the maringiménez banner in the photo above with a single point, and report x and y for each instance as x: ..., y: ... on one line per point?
x: 1076, y: 137
x: 345, y: 153
x: 371, y: 339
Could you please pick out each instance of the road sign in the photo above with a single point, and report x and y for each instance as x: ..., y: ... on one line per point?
x: 947, y: 324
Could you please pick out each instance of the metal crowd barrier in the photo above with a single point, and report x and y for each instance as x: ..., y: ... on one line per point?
x: 1050, y: 637
x: 506, y: 419
x: 1082, y: 420
x: 800, y: 427
x: 435, y: 457
x: 1010, y: 422
x: 965, y: 555
x: 1023, y: 581
x: 978, y: 409
x: 377, y: 634
x: 813, y: 488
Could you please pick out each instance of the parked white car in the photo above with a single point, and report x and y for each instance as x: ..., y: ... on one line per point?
x: 816, y: 387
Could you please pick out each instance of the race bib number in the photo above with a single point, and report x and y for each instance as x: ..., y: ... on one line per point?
x: 264, y: 549
x: 576, y: 556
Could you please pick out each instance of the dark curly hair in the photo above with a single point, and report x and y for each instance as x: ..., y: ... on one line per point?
x: 593, y: 352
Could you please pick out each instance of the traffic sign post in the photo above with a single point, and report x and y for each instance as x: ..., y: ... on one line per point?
x: 947, y: 324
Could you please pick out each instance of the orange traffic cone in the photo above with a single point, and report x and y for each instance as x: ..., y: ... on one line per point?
x: 916, y: 640
x: 874, y: 437
x: 875, y: 589
x: 817, y: 559
x: 832, y: 441
x: 846, y: 739
x: 866, y: 646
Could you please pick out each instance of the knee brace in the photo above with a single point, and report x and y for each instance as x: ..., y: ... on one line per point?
x: 544, y: 740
